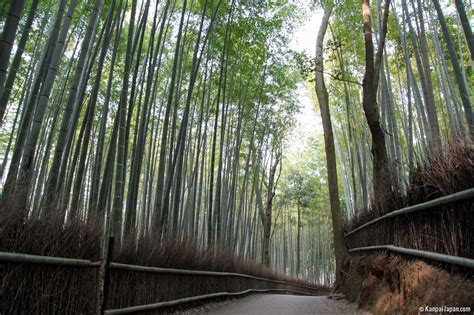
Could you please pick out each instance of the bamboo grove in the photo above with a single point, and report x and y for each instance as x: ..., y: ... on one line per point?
x: 172, y: 118
x: 163, y: 116
x: 424, y: 96
x: 410, y: 72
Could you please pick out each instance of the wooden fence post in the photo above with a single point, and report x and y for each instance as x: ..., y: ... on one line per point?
x: 104, y: 277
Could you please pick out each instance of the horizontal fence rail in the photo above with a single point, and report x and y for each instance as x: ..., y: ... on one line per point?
x: 455, y: 260
x: 459, y: 196
x: 203, y: 273
x: 151, y: 307
x: 46, y: 260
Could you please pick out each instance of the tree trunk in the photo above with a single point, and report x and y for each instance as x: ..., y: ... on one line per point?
x: 298, y: 239
x: 266, y: 214
x: 323, y: 100
x: 381, y: 168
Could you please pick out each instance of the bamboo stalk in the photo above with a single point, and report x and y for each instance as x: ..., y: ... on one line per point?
x: 47, y: 260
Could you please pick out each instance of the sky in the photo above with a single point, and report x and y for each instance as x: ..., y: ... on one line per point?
x: 305, y: 36
x: 308, y: 120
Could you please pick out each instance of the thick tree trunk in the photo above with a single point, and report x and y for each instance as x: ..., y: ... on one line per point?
x: 266, y: 214
x: 323, y: 100
x: 381, y: 169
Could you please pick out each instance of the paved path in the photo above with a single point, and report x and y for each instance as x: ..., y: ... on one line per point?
x: 273, y: 304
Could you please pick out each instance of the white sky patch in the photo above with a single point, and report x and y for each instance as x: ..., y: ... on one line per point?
x: 304, y: 39
x: 308, y: 121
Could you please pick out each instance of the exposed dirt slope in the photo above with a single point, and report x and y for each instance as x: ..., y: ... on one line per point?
x: 388, y: 284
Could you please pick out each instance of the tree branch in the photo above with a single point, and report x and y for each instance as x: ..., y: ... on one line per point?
x: 338, y: 78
